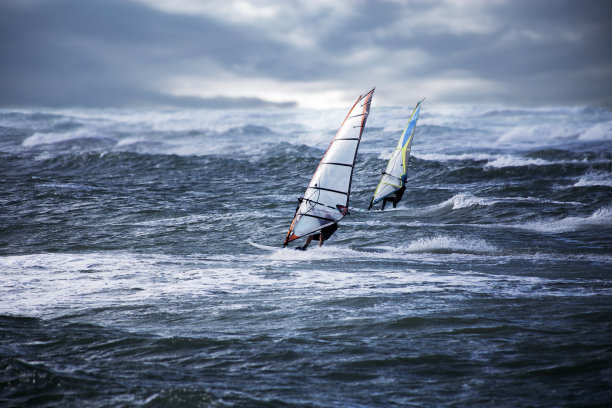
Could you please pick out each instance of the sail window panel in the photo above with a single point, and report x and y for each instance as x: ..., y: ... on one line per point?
x: 392, y: 180
x: 329, y: 198
x: 332, y: 177
x: 325, y: 197
x: 341, y: 151
x: 314, y: 209
x: 384, y: 190
x: 351, y: 127
x: 325, y: 214
x: 315, y: 220
x: 306, y: 206
x: 305, y: 225
x: 395, y: 167
x: 393, y: 162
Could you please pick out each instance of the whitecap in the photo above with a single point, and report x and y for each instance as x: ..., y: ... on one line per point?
x: 600, y: 218
x: 451, y: 157
x: 450, y: 244
x: 458, y: 201
x: 594, y: 179
x: 515, y: 161
x: 131, y: 141
x: 41, y: 138
x: 600, y: 131
x: 537, y: 134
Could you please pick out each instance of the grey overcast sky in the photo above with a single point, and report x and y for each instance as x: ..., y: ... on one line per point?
x: 312, y: 53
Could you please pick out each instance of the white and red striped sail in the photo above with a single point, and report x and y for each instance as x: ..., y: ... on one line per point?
x: 326, y: 199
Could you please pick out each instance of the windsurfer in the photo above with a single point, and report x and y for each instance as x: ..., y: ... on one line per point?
x: 330, y: 186
x: 392, y: 184
x: 323, y: 236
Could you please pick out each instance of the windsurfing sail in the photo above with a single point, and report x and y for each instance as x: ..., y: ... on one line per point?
x: 326, y: 199
x: 394, y: 176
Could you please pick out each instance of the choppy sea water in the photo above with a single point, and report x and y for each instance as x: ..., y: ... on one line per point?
x: 127, y: 278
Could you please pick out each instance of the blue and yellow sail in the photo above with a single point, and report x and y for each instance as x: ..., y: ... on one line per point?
x: 394, y: 176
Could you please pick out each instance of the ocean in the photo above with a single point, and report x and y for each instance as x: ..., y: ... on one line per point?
x: 128, y: 277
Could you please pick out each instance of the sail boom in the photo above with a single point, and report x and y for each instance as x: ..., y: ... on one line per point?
x: 391, y: 175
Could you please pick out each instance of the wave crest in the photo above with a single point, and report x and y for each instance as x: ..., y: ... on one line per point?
x: 602, y: 217
x: 42, y: 138
x: 594, y: 179
x: 458, y: 201
x: 600, y: 131
x: 449, y: 244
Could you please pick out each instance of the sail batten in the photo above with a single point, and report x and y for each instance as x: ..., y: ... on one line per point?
x: 397, y: 167
x: 316, y: 216
x: 326, y: 198
x: 316, y: 202
x: 339, y: 164
x: 329, y: 189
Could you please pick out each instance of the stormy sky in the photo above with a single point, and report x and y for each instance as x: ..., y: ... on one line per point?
x: 318, y: 54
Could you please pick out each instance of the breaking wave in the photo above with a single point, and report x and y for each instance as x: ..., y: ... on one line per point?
x: 493, y: 160
x: 515, y: 161
x: 600, y: 131
x: 450, y: 244
x: 595, y: 179
x: 458, y: 201
x: 600, y: 218
x: 51, y: 138
x: 537, y: 134
x: 451, y: 157
x: 463, y: 200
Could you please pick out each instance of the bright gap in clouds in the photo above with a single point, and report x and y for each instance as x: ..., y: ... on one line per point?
x: 316, y: 95
x: 323, y: 95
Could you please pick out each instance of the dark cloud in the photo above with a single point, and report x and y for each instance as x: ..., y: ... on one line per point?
x: 540, y: 52
x: 109, y: 53
x: 121, y: 53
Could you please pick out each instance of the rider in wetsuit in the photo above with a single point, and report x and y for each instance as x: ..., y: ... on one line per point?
x: 394, y: 198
